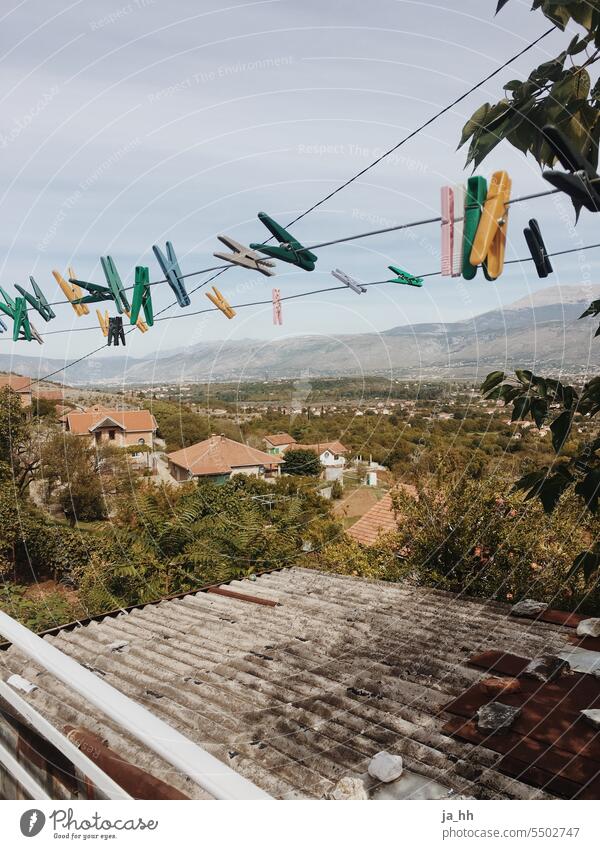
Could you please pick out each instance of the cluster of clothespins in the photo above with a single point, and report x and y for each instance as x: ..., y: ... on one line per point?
x: 474, y: 222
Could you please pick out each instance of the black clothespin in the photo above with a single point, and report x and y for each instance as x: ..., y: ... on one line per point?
x: 115, y: 331
x: 581, y: 183
x: 537, y: 248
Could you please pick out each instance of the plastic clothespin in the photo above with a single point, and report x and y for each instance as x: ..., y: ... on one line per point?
x: 537, y: 248
x: 3, y: 326
x: 73, y: 292
x: 115, y: 331
x: 277, y: 314
x: 404, y: 278
x: 490, y: 240
x: 17, y: 310
x: 37, y: 301
x: 447, y: 230
x: 140, y: 323
x: 348, y: 281
x: 582, y: 183
x: 245, y: 257
x: 289, y: 249
x: 460, y: 194
x: 142, y: 298
x: 114, y: 291
x: 170, y: 268
x: 103, y: 321
x: 475, y: 198
x: 219, y: 301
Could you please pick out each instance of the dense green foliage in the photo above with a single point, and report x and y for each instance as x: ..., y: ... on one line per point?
x: 301, y: 461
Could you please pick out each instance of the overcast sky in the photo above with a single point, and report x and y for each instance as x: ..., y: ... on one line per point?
x: 125, y: 124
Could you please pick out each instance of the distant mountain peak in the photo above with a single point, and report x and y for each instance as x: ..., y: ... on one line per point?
x: 556, y: 295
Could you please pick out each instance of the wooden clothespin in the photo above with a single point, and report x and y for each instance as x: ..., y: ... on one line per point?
x: 170, y: 268
x: 140, y: 323
x: 289, y: 249
x: 490, y: 240
x: 113, y: 291
x: 277, y: 314
x: 219, y: 301
x: 103, y: 321
x: 142, y: 299
x: 447, y: 230
x: 475, y: 198
x: 37, y: 300
x: 537, y: 248
x: 73, y: 292
x: 404, y: 278
x: 115, y: 331
x: 348, y: 281
x: 245, y: 257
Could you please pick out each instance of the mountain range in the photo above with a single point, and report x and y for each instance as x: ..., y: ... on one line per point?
x: 540, y: 332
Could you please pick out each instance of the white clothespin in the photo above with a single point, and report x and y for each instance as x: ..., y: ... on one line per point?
x: 447, y: 248
x: 245, y: 257
x: 277, y: 316
x: 348, y: 281
x: 459, y: 229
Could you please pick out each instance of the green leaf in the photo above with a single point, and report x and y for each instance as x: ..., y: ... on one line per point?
x: 539, y: 410
x: 561, y: 427
x: 587, y: 562
x: 524, y: 376
x: 589, y: 490
x: 493, y: 379
x: 520, y: 408
x: 474, y: 123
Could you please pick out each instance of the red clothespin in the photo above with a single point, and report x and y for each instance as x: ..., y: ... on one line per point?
x: 277, y: 316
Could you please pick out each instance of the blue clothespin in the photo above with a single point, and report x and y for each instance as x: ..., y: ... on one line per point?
x: 170, y: 268
x: 38, y: 302
x: 404, y: 277
x: 113, y: 292
x: 289, y: 249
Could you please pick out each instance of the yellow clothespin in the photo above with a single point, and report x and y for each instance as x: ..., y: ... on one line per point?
x: 140, y: 324
x: 72, y: 291
x: 490, y: 240
x: 220, y: 302
x: 103, y: 319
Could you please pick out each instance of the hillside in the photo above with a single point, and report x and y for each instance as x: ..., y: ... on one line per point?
x: 540, y: 332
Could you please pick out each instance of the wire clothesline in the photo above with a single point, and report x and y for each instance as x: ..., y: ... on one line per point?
x: 408, y: 137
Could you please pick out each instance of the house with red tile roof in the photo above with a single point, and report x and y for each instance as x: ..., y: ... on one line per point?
x: 278, y: 443
x: 380, y: 519
x: 20, y: 385
x: 218, y: 458
x: 120, y: 427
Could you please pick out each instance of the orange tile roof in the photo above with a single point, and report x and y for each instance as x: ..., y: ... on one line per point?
x: 279, y: 439
x: 16, y: 382
x: 132, y: 421
x: 219, y: 455
x: 335, y: 447
x: 380, y: 519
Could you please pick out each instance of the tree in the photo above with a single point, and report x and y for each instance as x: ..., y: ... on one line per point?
x: 19, y: 457
x: 558, y: 92
x: 301, y: 461
x: 565, y: 97
x: 70, y: 469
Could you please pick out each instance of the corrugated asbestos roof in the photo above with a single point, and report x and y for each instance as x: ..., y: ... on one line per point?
x: 298, y: 695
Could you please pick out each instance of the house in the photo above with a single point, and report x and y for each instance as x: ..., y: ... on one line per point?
x: 378, y: 520
x: 278, y: 443
x: 121, y: 427
x: 18, y: 384
x: 218, y: 458
x: 294, y: 681
x: 331, y: 454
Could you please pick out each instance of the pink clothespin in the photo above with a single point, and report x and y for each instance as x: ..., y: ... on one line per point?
x: 277, y: 316
x: 447, y: 229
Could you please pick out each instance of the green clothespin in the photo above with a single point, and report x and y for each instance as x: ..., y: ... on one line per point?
x: 142, y: 299
x: 113, y: 292
x: 404, y: 277
x: 474, y: 201
x: 289, y: 249
x: 37, y: 301
x: 17, y: 310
